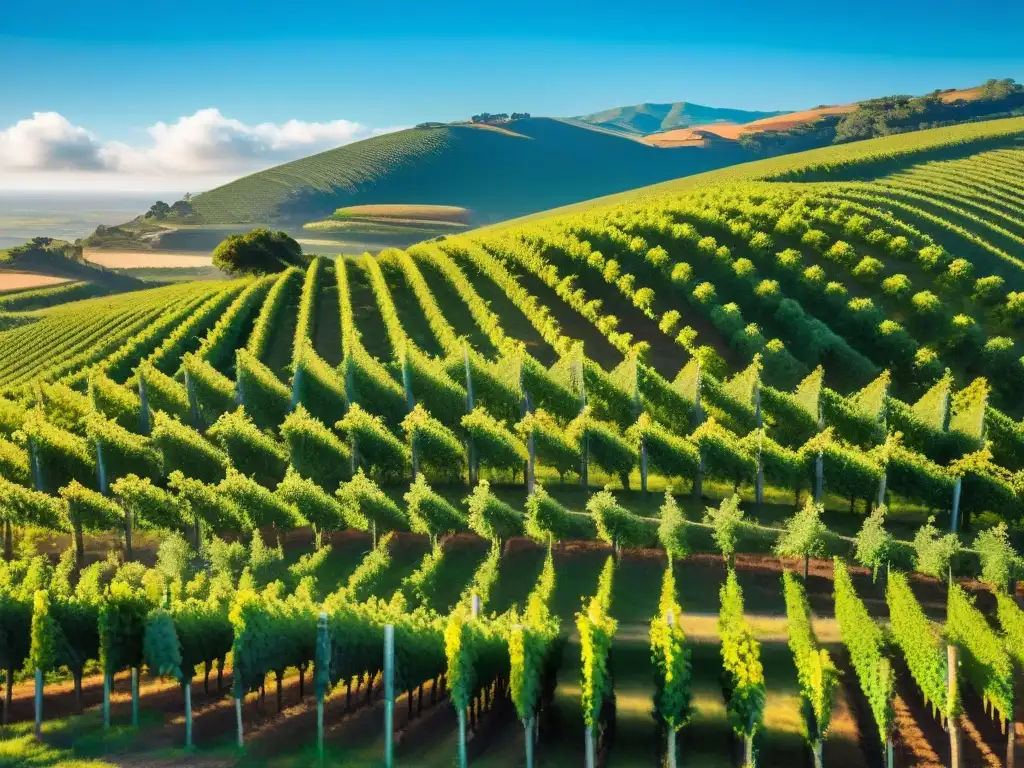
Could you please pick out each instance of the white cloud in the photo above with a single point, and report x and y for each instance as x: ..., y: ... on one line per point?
x: 199, y: 148
x: 48, y: 142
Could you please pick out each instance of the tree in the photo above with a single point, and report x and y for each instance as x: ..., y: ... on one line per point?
x: 672, y: 528
x: 725, y: 522
x: 874, y: 543
x: 158, y: 210
x: 804, y: 535
x: 258, y: 252
x: 181, y: 208
x: 998, y: 559
x: 933, y: 552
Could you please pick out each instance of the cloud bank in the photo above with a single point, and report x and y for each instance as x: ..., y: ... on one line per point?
x: 47, y: 149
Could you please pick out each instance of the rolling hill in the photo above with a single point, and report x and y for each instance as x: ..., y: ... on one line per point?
x: 496, y: 173
x: 642, y: 119
x: 818, y: 353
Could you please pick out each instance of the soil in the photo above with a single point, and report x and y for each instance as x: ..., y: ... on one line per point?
x: 920, y: 739
x: 120, y: 259
x: 18, y: 281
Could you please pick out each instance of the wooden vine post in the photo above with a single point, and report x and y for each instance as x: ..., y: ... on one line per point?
x: 187, y: 686
x: 585, y: 448
x: 389, y: 694
x: 144, y: 425
x: 670, y: 735
x: 350, y: 399
x: 759, y: 482
x: 954, y: 516
x: 193, y: 401
x: 321, y: 677
x: 297, y: 383
x: 101, y: 469
x: 410, y: 403
x: 135, y: 697
x: 955, y: 741
x: 106, y: 699
x: 530, y: 446
x: 39, y: 704
x: 239, y: 389
x: 238, y: 720
x: 698, y: 414
x: 819, y: 477
x: 474, y: 470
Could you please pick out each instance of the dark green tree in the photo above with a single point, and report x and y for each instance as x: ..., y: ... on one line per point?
x: 258, y: 252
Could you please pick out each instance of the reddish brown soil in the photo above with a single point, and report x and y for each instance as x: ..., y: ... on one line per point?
x: 983, y: 738
x: 870, y: 748
x: 920, y: 738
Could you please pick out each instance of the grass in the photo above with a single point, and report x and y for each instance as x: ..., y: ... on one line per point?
x: 20, y: 749
x: 544, y: 163
x: 433, y: 214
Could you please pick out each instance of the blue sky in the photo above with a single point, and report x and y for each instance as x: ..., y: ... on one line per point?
x: 114, y: 70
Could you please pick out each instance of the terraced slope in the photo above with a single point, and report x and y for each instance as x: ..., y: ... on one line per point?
x: 778, y: 337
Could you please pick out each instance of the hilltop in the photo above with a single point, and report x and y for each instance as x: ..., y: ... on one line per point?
x: 496, y: 172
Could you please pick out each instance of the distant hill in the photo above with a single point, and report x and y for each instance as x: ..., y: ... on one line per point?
x: 642, y: 119
x: 496, y: 172
x: 518, y: 167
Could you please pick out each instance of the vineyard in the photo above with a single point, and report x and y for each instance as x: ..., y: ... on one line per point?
x: 723, y: 472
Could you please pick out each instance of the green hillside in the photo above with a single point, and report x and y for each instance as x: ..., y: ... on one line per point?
x: 497, y: 173
x: 662, y: 403
x: 642, y: 119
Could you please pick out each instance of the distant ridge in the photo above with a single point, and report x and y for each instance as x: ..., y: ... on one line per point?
x: 642, y: 119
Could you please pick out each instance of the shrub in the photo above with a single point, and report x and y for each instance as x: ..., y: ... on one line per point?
x: 814, y: 275
x: 897, y: 286
x: 988, y: 290
x: 725, y: 519
x: 998, y: 558
x: 761, y: 242
x: 898, y: 246
x: 672, y: 528
x: 874, y: 544
x: 842, y: 252
x: 957, y: 276
x: 931, y: 257
x: 933, y: 552
x: 258, y: 251
x: 868, y: 269
x: 926, y: 303
x: 815, y: 238
x: 789, y: 259
x: 743, y: 267
x: 615, y: 524
x: 704, y: 293
x: 490, y: 517
x: 682, y: 273
x: 669, y: 322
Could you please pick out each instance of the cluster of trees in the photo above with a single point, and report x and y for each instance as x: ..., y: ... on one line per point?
x: 161, y: 210
x: 898, y: 114
x: 500, y: 117
x: 258, y: 252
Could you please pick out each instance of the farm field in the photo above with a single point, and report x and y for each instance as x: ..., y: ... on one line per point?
x: 18, y: 281
x: 730, y: 468
x: 156, y: 259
